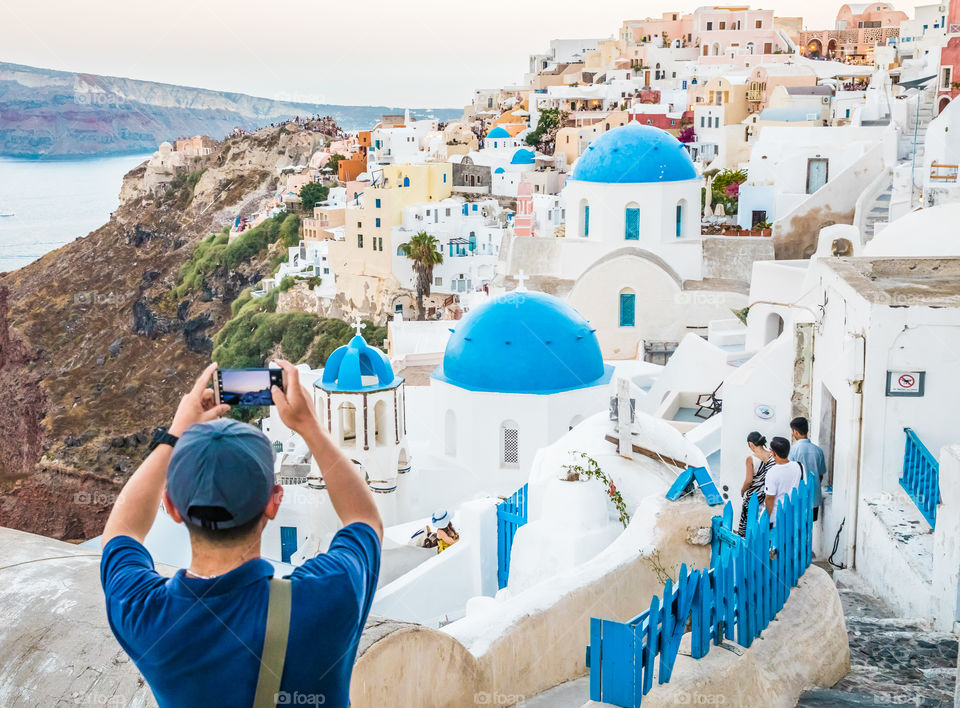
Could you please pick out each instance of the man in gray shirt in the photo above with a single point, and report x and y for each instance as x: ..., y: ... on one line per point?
x: 810, y: 457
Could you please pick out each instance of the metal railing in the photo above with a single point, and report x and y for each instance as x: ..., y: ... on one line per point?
x: 921, y: 477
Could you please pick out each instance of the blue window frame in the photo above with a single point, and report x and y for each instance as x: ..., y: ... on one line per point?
x: 474, y: 207
x: 586, y: 219
x: 465, y: 209
x: 378, y: 203
x: 406, y: 181
x: 288, y: 542
x: 679, y: 220
x: 444, y: 177
x: 473, y: 241
x: 378, y: 222
x: 632, y: 228
x: 628, y: 303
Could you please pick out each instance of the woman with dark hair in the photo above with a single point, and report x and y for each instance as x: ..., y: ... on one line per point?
x: 758, y: 462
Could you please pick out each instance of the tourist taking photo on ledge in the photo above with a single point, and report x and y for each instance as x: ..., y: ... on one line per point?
x: 223, y: 631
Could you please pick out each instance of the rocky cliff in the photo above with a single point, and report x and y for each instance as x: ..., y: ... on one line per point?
x: 46, y: 113
x: 95, y: 350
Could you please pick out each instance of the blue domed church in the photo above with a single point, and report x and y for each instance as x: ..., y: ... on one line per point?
x: 362, y: 404
x: 632, y: 252
x: 516, y: 374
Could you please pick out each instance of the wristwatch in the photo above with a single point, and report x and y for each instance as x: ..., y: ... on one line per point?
x: 162, y: 437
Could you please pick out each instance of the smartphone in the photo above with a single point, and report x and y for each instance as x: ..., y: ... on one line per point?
x: 246, y: 387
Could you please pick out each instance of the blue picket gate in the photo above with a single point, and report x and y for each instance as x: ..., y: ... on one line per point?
x: 511, y: 515
x: 735, y: 599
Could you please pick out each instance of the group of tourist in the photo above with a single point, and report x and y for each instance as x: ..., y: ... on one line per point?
x: 773, y: 471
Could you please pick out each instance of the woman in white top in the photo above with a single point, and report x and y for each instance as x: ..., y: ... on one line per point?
x: 758, y: 462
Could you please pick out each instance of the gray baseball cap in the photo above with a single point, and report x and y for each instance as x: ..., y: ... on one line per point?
x: 221, y: 474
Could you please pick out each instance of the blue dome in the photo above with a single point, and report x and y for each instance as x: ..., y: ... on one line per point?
x: 523, y: 157
x: 358, y: 367
x: 523, y: 342
x: 498, y: 132
x: 634, y: 153
x: 499, y: 171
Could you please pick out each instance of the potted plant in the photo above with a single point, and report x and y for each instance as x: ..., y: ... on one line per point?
x: 764, y: 227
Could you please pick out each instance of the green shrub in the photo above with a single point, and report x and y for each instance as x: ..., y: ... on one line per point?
x: 215, y: 252
x: 311, y: 194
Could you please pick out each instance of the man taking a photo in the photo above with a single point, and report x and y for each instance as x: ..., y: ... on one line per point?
x: 199, y: 636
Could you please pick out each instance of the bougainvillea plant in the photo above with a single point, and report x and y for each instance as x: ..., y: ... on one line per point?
x: 586, y: 468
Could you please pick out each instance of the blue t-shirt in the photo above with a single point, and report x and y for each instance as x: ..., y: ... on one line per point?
x: 198, y: 642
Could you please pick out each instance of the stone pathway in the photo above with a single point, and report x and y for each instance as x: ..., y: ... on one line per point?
x: 893, y: 661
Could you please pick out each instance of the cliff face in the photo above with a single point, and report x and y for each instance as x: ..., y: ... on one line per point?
x: 46, y: 113
x: 94, y: 349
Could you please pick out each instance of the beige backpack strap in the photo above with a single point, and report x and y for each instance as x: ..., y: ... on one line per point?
x: 274, y: 644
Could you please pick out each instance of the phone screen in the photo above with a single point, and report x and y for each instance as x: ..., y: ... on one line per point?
x: 247, y: 387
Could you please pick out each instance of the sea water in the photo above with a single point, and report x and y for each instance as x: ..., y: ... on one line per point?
x: 55, y: 201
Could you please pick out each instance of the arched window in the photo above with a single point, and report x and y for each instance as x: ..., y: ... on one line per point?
x: 679, y: 220
x: 450, y: 433
x: 584, y: 218
x: 406, y: 181
x: 773, y: 327
x: 509, y: 444
x: 400, y: 251
x: 631, y: 230
x: 628, y: 305
x: 380, y: 425
x: 750, y: 47
x: 347, y: 422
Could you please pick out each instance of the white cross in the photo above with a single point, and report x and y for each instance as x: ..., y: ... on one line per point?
x: 358, y: 325
x: 521, y: 277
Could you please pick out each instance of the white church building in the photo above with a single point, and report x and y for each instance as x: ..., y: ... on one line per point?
x: 518, y: 372
x: 631, y: 256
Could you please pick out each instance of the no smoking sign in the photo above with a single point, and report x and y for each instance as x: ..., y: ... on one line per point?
x: 905, y: 383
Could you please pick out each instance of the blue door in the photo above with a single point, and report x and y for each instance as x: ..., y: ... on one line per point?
x: 632, y: 230
x: 627, y: 309
x: 288, y: 542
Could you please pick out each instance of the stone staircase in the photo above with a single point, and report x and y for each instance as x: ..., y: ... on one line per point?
x: 878, y: 210
x: 893, y: 661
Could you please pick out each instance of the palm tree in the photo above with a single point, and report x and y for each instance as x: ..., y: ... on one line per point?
x: 422, y: 250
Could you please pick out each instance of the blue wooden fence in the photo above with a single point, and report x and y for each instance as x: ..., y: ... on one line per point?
x: 511, y: 515
x: 921, y: 476
x: 735, y: 599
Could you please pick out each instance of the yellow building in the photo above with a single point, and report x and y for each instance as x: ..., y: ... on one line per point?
x: 363, y: 261
x: 729, y: 92
x: 317, y: 227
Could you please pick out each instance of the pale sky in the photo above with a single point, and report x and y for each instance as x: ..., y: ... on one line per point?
x: 368, y: 52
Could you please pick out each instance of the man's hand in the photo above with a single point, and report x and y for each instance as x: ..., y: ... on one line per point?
x: 198, y: 406
x: 293, y: 403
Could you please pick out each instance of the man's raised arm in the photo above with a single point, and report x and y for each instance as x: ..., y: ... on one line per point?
x: 351, y: 497
x: 136, y: 506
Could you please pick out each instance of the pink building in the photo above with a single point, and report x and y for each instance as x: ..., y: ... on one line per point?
x: 859, y: 28
x: 671, y: 25
x: 736, y: 32
x: 948, y: 83
x: 523, y: 220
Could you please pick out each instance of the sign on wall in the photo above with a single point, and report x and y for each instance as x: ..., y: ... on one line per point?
x: 905, y: 383
x: 764, y: 412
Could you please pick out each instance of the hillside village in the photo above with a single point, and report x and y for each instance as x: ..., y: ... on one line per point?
x: 557, y: 319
